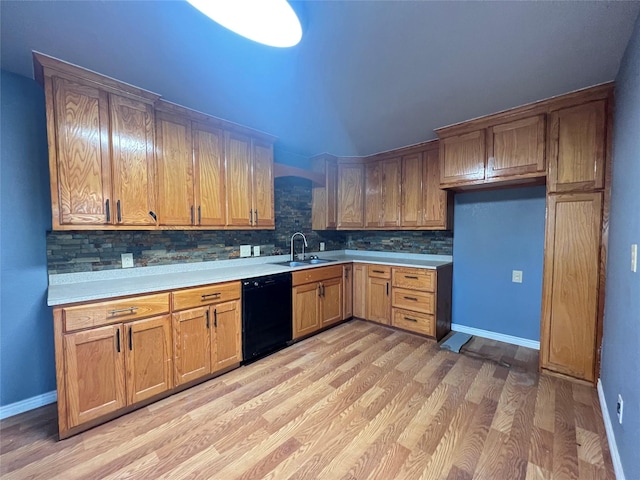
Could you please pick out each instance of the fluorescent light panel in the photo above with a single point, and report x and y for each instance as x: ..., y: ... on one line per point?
x: 271, y: 22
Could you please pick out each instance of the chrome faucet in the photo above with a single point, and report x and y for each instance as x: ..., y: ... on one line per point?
x: 304, y: 245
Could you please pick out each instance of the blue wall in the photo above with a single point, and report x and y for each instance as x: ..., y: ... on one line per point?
x: 620, y: 370
x: 27, y: 365
x: 496, y: 232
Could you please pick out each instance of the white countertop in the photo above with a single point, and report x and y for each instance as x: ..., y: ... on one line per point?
x: 85, y: 286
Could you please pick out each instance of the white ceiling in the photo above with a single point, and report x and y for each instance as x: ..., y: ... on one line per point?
x: 368, y: 76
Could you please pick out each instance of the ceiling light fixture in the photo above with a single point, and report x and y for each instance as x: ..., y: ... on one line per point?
x: 271, y: 22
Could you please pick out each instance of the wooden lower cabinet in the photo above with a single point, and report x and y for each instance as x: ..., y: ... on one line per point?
x: 226, y: 335
x: 331, y: 301
x: 360, y: 290
x: 347, y: 291
x: 192, y: 345
x: 306, y: 318
x: 317, y: 299
x: 379, y: 294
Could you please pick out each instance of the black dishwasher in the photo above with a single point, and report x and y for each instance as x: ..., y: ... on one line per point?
x: 266, y: 315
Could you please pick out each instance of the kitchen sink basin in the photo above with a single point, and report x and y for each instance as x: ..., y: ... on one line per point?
x: 304, y: 263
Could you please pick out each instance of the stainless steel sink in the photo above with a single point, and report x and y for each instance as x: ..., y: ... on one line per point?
x: 304, y: 263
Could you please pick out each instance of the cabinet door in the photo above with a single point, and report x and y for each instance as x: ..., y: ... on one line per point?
x: 331, y: 301
x: 174, y: 159
x: 95, y: 379
x: 306, y: 304
x: 263, y: 214
x: 391, y: 177
x: 208, y: 158
x: 437, y: 203
x: 238, y: 176
x: 148, y: 358
x: 191, y: 344
x: 379, y: 300
x: 576, y: 148
x: 373, y: 195
x: 411, y: 190
x: 133, y: 161
x: 82, y: 171
x: 570, y: 291
x: 347, y: 291
x: 350, y: 196
x: 462, y: 158
x: 516, y: 148
x: 359, y: 290
x: 331, y: 187
x: 226, y: 338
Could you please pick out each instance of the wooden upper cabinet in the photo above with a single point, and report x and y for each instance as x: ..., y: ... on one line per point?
x: 208, y: 160
x: 437, y: 210
x: 226, y: 335
x: 516, y: 148
x: 350, y: 196
x: 79, y: 159
x: 411, y: 204
x: 94, y: 373
x: 373, y: 194
x: 462, y: 158
x: 132, y: 145
x: 238, y: 175
x: 262, y: 192
x: 577, y: 147
x: 391, y: 177
x: 175, y: 178
x: 331, y: 186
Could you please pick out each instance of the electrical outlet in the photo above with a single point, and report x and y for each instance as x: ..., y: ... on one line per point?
x: 322, y: 246
x: 245, y: 250
x: 634, y: 257
x: 127, y: 260
x: 619, y: 408
x: 516, y: 276
x: 256, y: 251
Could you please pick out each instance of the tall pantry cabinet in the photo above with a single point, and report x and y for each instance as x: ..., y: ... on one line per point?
x: 575, y: 254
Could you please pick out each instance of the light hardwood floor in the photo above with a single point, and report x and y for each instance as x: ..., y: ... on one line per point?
x: 355, y: 402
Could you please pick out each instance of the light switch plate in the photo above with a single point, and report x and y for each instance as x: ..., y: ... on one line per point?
x: 245, y: 250
x: 516, y: 276
x: 256, y: 251
x: 634, y: 257
x: 322, y: 246
x: 127, y: 260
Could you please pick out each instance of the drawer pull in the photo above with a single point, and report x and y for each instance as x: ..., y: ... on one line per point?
x: 411, y: 277
x: 207, y: 295
x: 413, y: 299
x: 411, y: 319
x: 377, y: 271
x: 122, y: 310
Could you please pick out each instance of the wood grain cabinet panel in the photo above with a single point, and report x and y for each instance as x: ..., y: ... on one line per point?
x: 148, y: 358
x: 317, y: 302
x: 462, y: 158
x: 391, y: 177
x: 262, y: 192
x: 324, y: 211
x: 414, y: 321
x: 411, y: 202
x: 94, y: 373
x: 210, y: 190
x: 347, y: 291
x: 132, y: 150
x: 239, y: 184
x: 379, y: 300
x: 80, y: 162
x: 360, y: 290
x: 350, y: 196
x: 191, y: 344
x: 437, y: 210
x: 516, y: 148
x: 571, y: 284
x: 331, y: 301
x: 175, y: 181
x: 577, y: 147
x: 226, y: 335
x: 373, y: 195
x: 306, y: 315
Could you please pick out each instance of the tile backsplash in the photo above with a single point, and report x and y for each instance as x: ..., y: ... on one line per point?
x: 100, y: 250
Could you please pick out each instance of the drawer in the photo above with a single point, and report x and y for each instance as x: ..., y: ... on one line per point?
x: 413, y: 300
x: 413, y: 321
x: 199, y: 296
x: 379, y: 271
x: 315, y: 274
x: 414, y: 278
x: 113, y: 311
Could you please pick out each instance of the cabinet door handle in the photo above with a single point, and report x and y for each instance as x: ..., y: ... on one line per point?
x: 411, y: 277
x: 256, y: 217
x: 387, y: 289
x: 346, y: 274
x: 207, y: 315
x: 215, y: 318
x: 108, y: 211
x: 122, y: 310
x: 207, y: 295
x: 119, y: 213
x: 153, y: 215
x: 413, y: 299
x: 411, y: 319
x: 130, y: 338
x: 192, y: 216
x: 377, y: 271
x: 118, y: 340
x: 319, y: 289
x: 199, y: 215
x: 251, y: 217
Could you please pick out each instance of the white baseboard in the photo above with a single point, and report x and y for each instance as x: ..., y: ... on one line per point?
x: 27, y: 404
x: 613, y: 446
x: 523, y: 342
